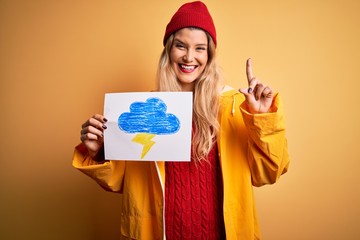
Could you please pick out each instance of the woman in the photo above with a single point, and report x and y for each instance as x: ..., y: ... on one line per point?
x: 238, y: 141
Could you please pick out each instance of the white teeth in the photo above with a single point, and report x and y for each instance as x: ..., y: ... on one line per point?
x: 187, y: 67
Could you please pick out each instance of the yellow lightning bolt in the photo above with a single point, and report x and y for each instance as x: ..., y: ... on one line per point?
x: 144, y: 139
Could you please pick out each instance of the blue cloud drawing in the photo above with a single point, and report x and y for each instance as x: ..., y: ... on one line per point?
x: 149, y: 117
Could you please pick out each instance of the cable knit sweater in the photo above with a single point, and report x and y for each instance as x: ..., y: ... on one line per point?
x: 194, y: 199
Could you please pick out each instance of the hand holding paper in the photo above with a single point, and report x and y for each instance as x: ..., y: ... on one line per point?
x: 92, y: 133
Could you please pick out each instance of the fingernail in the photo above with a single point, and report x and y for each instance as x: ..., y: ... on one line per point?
x: 104, y: 126
x: 250, y: 90
x: 105, y: 120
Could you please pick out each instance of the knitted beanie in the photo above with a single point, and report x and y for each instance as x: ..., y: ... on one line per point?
x: 192, y: 14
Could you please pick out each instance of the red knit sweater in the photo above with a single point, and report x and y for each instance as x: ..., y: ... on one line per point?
x: 194, y: 199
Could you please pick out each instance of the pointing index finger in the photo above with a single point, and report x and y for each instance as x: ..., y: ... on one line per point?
x: 249, y: 72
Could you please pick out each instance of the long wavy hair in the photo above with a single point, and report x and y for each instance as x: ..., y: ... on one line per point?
x: 205, y: 97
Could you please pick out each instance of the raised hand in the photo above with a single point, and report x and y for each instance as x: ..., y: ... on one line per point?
x: 92, y: 133
x: 259, y: 97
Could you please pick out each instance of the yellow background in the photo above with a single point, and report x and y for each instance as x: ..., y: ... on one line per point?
x: 58, y: 58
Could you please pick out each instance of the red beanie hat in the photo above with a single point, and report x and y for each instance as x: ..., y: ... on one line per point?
x: 192, y: 14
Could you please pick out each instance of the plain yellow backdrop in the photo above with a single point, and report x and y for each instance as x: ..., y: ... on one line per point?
x: 59, y: 58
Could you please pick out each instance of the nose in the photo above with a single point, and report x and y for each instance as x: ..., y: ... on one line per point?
x: 189, y: 56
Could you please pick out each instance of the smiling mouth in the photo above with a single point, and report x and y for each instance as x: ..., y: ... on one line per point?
x: 187, y: 68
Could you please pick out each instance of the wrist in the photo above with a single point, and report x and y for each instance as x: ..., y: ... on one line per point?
x: 99, y: 156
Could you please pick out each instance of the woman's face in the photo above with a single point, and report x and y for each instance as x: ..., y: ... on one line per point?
x: 189, y: 56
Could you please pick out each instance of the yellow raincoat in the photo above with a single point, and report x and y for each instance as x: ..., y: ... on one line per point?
x: 252, y: 150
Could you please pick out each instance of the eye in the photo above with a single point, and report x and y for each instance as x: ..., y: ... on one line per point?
x: 201, y: 48
x: 179, y: 46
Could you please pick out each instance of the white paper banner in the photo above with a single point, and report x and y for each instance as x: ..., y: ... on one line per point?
x: 148, y: 126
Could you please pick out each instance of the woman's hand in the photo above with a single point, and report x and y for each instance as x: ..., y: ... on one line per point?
x: 92, y: 134
x: 259, y: 97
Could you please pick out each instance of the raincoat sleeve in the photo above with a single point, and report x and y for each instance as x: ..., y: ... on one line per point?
x: 108, y: 174
x: 267, y: 152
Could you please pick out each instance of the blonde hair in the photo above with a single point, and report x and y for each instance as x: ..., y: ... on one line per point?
x: 206, y: 97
